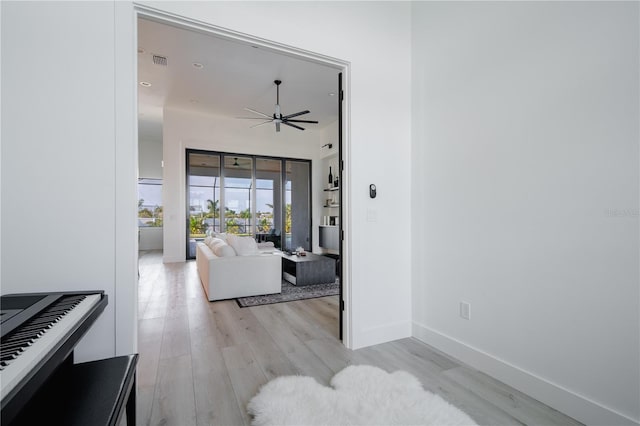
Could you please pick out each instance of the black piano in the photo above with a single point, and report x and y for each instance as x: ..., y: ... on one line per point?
x: 39, y: 383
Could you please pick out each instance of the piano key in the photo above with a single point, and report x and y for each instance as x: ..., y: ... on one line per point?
x: 19, y: 366
x: 21, y: 336
x: 15, y: 347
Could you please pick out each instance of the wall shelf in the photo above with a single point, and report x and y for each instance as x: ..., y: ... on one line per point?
x: 331, y: 205
x: 335, y: 188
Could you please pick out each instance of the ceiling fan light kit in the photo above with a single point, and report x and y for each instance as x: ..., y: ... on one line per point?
x: 277, y: 118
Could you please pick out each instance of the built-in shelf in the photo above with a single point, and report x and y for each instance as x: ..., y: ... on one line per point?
x: 331, y: 205
x: 328, y: 226
x: 335, y: 188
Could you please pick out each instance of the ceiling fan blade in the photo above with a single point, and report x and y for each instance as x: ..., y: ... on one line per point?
x: 257, y: 112
x: 296, y: 114
x: 252, y: 118
x: 278, y: 126
x: 300, y: 121
x: 260, y: 124
x: 292, y: 125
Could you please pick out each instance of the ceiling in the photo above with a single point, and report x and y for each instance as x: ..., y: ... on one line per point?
x: 233, y: 76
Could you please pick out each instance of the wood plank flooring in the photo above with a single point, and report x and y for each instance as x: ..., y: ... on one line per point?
x: 201, y: 362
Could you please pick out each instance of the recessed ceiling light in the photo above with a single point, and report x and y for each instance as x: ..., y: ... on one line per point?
x: 145, y: 84
x: 197, y: 65
x: 331, y: 94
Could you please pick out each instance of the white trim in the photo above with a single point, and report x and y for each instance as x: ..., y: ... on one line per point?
x: 345, y: 185
x: 564, y: 400
x: 166, y: 259
x: 340, y: 65
x: 384, y: 333
x: 199, y: 26
x: 125, y: 297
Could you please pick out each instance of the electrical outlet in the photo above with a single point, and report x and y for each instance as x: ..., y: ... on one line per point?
x: 465, y: 310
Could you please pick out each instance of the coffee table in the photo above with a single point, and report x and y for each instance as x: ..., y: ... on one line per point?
x: 309, y: 269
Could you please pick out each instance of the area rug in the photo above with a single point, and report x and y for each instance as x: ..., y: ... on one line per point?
x: 359, y: 395
x: 291, y: 292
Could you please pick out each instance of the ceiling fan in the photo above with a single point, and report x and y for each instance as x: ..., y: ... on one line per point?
x: 277, y: 117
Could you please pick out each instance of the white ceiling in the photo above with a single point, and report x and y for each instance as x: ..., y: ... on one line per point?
x: 234, y: 76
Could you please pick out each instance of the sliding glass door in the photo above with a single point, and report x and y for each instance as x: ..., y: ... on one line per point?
x: 269, y: 200
x: 237, y: 195
x: 203, y: 201
x: 244, y: 194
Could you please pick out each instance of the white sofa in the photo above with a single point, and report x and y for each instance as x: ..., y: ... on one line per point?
x: 231, y: 275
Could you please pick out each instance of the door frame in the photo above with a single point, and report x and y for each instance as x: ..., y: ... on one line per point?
x: 341, y: 66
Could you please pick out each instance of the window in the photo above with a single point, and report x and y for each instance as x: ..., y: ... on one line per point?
x: 150, y: 202
x: 244, y: 194
x: 238, y: 185
x: 204, y: 195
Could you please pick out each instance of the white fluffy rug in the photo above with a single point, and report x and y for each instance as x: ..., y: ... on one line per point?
x: 360, y: 395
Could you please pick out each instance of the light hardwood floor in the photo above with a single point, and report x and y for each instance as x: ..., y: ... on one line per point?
x: 201, y: 362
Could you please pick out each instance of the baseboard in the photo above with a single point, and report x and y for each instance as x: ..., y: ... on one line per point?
x: 169, y: 259
x: 381, y: 334
x: 563, y: 400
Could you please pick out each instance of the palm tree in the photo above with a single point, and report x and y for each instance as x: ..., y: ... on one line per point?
x: 287, y: 219
x: 245, y: 214
x: 214, y: 210
x: 195, y: 225
x: 232, y: 226
x: 265, y: 224
x: 157, y: 216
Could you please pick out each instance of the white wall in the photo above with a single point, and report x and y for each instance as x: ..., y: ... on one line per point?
x: 150, y: 159
x: 195, y: 130
x: 379, y: 94
x: 86, y: 131
x: 58, y: 154
x: 323, y: 157
x: 150, y: 167
x: 151, y: 238
x: 525, y: 164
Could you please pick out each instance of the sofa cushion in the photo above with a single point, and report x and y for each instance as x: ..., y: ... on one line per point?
x: 244, y: 246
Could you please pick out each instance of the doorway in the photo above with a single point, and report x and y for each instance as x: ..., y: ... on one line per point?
x: 178, y: 190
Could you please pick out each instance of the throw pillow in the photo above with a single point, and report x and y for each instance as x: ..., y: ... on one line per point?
x: 221, y: 235
x: 215, y: 242
x: 224, y: 250
x: 244, y: 246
